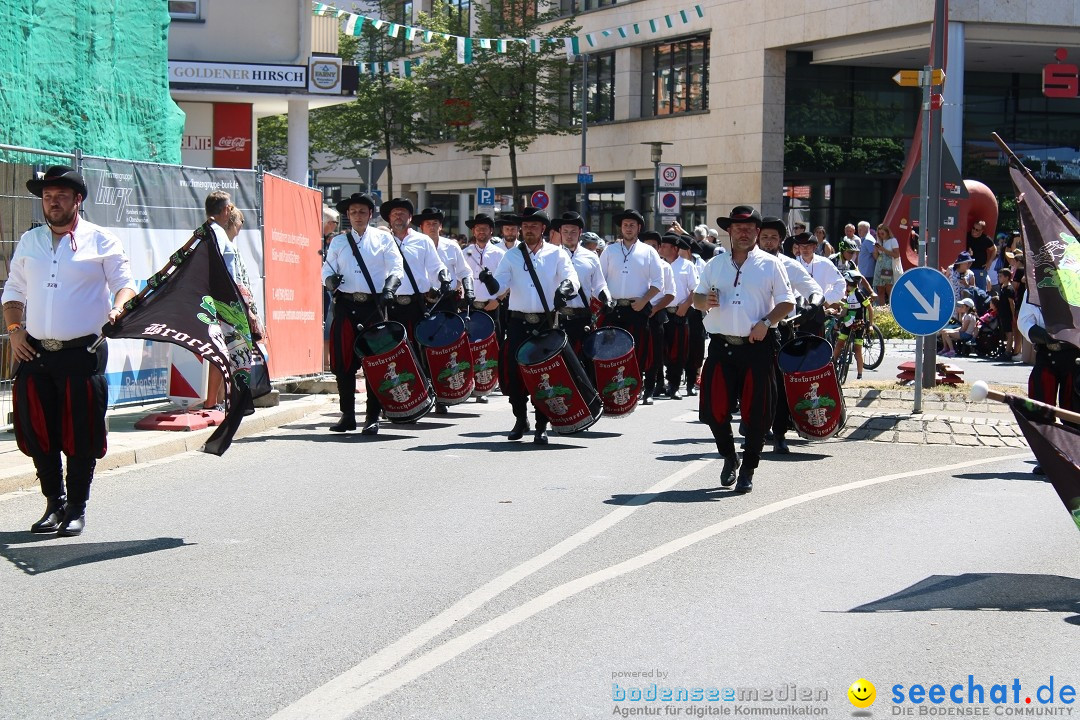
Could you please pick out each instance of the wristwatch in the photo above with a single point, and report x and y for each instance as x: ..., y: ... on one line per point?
x: 767, y: 323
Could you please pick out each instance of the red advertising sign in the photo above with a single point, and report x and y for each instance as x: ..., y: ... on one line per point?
x: 292, y: 221
x: 232, y: 135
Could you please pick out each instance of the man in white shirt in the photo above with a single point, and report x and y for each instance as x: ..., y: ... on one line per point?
x: 363, y: 270
x: 744, y: 294
x: 658, y: 320
x: 677, y: 333
x: 531, y: 309
x: 509, y: 230
x: 426, y: 278
x: 634, y: 274
x: 822, y: 270
x: 430, y: 221
x: 56, y: 298
x: 482, y: 256
x: 576, y: 317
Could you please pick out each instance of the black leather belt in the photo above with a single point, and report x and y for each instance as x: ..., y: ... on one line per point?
x: 356, y: 297
x: 531, y: 318
x: 53, y: 345
x: 730, y: 339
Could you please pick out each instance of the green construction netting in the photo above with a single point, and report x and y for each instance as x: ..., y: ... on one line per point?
x: 90, y: 75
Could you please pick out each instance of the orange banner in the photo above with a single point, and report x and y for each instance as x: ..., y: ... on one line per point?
x: 292, y: 226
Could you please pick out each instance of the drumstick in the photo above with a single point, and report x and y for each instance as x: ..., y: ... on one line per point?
x: 981, y: 391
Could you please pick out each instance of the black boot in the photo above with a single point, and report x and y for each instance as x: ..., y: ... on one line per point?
x: 347, y: 403
x: 53, y: 517
x: 780, y: 445
x: 345, y: 424
x: 691, y: 384
x: 440, y: 408
x: 521, y: 426
x: 541, y: 438
x: 74, y: 520
x: 746, y: 480
x: 673, y: 391
x: 482, y: 399
x: 727, y: 475
x: 371, y: 425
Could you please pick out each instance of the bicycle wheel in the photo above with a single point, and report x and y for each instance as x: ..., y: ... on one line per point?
x: 873, y: 348
x: 843, y: 361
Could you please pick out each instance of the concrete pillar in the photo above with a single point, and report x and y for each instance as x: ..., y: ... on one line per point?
x: 630, y: 190
x: 421, y: 196
x: 298, y: 141
x: 952, y: 117
x: 463, y: 212
x: 549, y: 187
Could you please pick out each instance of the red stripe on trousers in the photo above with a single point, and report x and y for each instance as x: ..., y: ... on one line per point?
x: 37, y: 415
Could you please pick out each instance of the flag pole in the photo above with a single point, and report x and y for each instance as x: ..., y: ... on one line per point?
x: 1060, y: 209
x: 981, y: 391
x: 156, y: 280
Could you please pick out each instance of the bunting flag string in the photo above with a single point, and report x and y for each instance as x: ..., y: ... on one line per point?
x: 354, y: 25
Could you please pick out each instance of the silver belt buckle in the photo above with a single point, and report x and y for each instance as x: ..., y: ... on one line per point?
x: 1053, y: 347
x: 734, y: 340
x: 624, y: 302
x: 403, y: 299
x: 532, y: 318
x: 360, y: 297
x: 52, y: 345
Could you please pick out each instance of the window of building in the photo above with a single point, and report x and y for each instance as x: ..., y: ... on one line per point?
x: 185, y: 9
x: 675, y: 77
x: 574, y: 7
x: 458, y: 16
x: 600, y: 91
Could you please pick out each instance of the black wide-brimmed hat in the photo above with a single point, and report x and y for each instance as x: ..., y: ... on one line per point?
x: 429, y: 214
x: 481, y: 219
x: 58, y: 176
x: 629, y: 214
x: 508, y: 219
x: 356, y: 199
x: 533, y: 214
x: 740, y: 214
x: 398, y: 202
x: 568, y: 218
x: 775, y: 223
x: 804, y: 238
x: 650, y: 235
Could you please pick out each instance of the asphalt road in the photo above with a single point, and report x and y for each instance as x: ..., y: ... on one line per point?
x: 439, y: 571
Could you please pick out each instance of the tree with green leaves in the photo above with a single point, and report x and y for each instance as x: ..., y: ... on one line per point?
x: 510, y: 93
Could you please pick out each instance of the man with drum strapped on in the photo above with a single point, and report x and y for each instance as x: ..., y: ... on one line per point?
x: 482, y: 257
x: 744, y: 294
x: 531, y: 308
x: 430, y: 221
x: 658, y: 320
x: 677, y: 334
x: 576, y: 316
x: 425, y: 276
x: 807, y: 290
x: 634, y: 274
x: 363, y: 270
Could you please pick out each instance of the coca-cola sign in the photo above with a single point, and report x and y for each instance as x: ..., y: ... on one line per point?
x: 232, y: 135
x: 231, y: 144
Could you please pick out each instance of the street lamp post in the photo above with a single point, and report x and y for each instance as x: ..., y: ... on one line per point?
x: 583, y: 186
x: 656, y: 154
x: 485, y: 165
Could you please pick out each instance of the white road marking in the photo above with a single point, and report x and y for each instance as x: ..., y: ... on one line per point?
x: 344, y: 695
x: 337, y: 695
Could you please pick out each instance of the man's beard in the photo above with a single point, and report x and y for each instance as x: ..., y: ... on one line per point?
x: 63, y: 219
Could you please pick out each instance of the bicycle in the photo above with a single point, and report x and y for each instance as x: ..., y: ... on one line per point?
x: 873, y: 347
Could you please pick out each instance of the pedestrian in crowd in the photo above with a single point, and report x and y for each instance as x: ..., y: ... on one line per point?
x: 531, y: 309
x: 822, y: 270
x: 866, y: 258
x: 593, y: 242
x: 965, y: 312
x: 824, y: 247
x: 961, y: 278
x: 744, y: 295
x: 55, y: 300
x: 1007, y: 314
x: 331, y: 219
x: 363, y: 270
x: 887, y: 267
x: 844, y: 259
x: 983, y: 251
x: 233, y: 227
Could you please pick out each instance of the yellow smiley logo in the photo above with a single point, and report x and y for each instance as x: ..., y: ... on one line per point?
x: 862, y: 693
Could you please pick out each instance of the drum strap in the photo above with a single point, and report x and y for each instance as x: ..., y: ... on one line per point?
x: 360, y: 262
x: 408, y: 271
x: 536, y: 281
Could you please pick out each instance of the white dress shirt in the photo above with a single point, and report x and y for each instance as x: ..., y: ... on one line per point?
x: 67, y: 294
x: 552, y: 265
x: 454, y: 260
x: 747, y: 294
x: 380, y: 254
x: 590, y: 276
x: 668, y: 287
x: 1026, y: 318
x: 424, y: 260
x: 801, y: 283
x: 630, y: 273
x: 826, y: 275
x: 477, y: 259
x: 686, y: 279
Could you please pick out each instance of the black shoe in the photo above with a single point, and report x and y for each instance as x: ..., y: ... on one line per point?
x: 74, y: 521
x: 673, y: 393
x: 440, y: 408
x: 482, y: 400
x: 646, y: 399
x: 691, y: 390
x: 347, y: 423
x: 520, y: 428
x: 53, y: 517
x: 780, y: 446
x: 769, y: 435
x: 371, y: 427
x: 727, y: 475
x: 1037, y: 470
x: 540, y: 438
x: 746, y: 481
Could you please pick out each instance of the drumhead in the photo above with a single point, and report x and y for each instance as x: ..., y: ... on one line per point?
x: 542, y: 347
x: 439, y: 330
x: 607, y: 343
x: 804, y: 354
x: 478, y: 325
x: 380, y: 338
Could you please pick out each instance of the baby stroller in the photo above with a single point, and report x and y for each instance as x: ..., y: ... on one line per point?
x: 989, y: 341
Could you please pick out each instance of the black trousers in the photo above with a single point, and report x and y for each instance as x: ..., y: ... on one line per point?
x: 637, y: 324
x: 696, y: 350
x: 576, y: 327
x: 782, y: 416
x: 1053, y: 377
x: 657, y: 328
x: 517, y: 332
x: 59, y: 402
x: 349, y: 317
x: 744, y: 373
x: 676, y: 348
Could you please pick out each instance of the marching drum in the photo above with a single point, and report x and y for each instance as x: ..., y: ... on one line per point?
x: 393, y: 373
x: 485, y: 352
x: 448, y: 355
x: 557, y: 383
x: 813, y: 393
x: 615, y: 366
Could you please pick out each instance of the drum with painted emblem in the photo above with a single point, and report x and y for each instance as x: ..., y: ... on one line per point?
x: 615, y: 367
x: 485, y: 352
x: 448, y: 354
x: 811, y: 387
x: 393, y: 373
x: 557, y: 383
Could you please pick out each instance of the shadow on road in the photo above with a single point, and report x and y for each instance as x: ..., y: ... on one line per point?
x: 1011, y: 475
x: 1015, y: 592
x: 28, y: 553
x: 352, y: 437
x: 674, y: 496
x: 526, y: 445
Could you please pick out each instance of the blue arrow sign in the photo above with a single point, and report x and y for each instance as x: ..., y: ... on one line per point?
x: 922, y: 301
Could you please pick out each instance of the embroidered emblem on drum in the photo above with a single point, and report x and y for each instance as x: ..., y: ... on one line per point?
x: 620, y: 387
x: 397, y: 385
x: 553, y: 397
x: 485, y: 369
x: 454, y: 372
x: 816, y: 408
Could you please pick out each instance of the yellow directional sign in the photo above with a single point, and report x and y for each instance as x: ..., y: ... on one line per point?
x: 918, y: 78
x: 937, y: 77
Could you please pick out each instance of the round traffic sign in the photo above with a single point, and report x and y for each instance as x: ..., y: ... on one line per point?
x: 669, y: 200
x: 922, y: 301
x: 670, y: 174
x: 540, y: 199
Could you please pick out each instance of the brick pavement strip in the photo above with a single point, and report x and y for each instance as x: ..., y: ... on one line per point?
x: 966, y: 440
x: 939, y: 438
x: 907, y: 436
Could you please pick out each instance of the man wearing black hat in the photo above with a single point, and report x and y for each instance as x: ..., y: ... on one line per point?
x: 807, y: 292
x: 430, y: 222
x: 576, y: 318
x: 531, y: 308
x: 56, y: 298
x: 744, y: 295
x: 509, y: 230
x: 635, y: 275
x: 677, y: 333
x: 657, y: 327
x: 819, y: 268
x: 426, y: 277
x: 482, y: 257
x: 363, y: 270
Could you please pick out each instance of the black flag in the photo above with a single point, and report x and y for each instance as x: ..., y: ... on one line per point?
x: 194, y: 303
x: 1056, y: 447
x: 1052, y: 256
